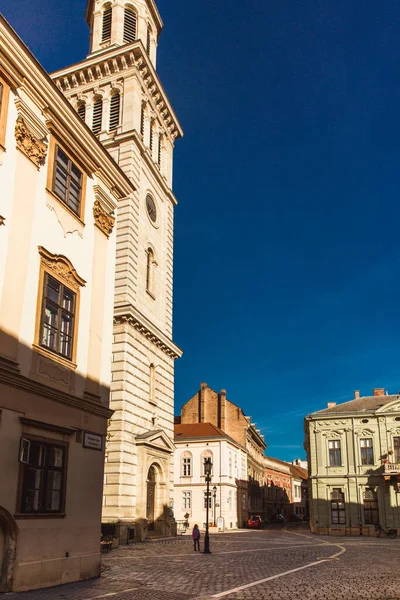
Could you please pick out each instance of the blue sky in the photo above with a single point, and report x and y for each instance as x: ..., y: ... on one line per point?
x: 287, y: 253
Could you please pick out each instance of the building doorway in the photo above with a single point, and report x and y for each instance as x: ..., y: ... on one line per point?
x: 8, y: 549
x: 151, y: 493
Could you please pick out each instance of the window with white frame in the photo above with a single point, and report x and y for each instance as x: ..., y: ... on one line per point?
x: 205, y: 499
x: 186, y: 500
x: 367, y: 451
x: 205, y: 455
x: 335, y: 453
x: 186, y: 464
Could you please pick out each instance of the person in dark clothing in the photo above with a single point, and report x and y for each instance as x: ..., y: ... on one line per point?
x: 196, y: 538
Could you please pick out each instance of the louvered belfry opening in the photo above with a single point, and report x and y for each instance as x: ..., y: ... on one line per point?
x: 97, y: 115
x: 115, y: 111
x: 82, y: 111
x: 142, y: 122
x: 151, y: 136
x: 130, y: 25
x: 148, y: 41
x: 159, y: 149
x: 107, y: 22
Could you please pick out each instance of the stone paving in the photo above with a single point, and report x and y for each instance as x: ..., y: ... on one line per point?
x: 277, y: 564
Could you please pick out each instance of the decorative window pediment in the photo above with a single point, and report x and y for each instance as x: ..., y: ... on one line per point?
x: 365, y: 433
x: 62, y: 268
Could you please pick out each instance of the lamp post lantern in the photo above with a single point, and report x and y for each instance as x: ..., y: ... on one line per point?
x: 215, y: 504
x: 207, y: 472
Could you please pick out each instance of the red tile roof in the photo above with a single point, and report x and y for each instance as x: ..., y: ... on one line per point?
x: 197, y: 430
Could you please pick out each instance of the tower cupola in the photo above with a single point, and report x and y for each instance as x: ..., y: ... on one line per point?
x: 116, y: 23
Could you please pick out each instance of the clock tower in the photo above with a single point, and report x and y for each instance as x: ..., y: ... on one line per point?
x: 117, y: 92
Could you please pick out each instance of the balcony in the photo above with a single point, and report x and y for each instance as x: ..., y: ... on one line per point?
x: 391, y: 469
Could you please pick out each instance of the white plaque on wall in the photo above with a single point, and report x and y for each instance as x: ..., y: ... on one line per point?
x: 92, y: 441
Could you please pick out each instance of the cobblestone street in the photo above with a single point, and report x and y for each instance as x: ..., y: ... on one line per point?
x: 275, y: 564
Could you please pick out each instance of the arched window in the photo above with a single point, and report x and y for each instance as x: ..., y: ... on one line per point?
x: 97, y: 115
x: 186, y: 465
x: 152, y: 383
x: 130, y: 25
x: 206, y: 454
x: 107, y: 22
x: 82, y: 111
x: 115, y: 105
x: 150, y: 272
x: 148, y: 40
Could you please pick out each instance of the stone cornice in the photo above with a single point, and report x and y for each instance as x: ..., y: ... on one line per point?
x: 128, y: 314
x: 15, y: 379
x: 17, y: 60
x: 118, y: 60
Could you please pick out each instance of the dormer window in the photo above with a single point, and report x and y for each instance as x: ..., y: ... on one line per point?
x: 130, y: 25
x: 107, y: 22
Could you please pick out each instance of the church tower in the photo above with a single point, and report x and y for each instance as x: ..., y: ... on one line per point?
x: 117, y: 92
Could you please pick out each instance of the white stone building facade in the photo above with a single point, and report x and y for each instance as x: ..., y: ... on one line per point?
x: 117, y: 92
x: 194, y: 443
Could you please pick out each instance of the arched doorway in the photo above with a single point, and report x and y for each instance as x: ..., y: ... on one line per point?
x: 151, y: 495
x: 8, y: 549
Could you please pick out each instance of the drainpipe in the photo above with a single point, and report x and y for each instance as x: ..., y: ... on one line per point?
x: 355, y: 471
x: 220, y: 487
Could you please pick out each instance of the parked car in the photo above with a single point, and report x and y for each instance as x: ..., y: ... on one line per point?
x: 278, y: 518
x: 295, y: 518
x: 255, y: 522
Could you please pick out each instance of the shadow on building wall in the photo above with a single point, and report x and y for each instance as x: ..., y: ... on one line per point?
x: 42, y: 399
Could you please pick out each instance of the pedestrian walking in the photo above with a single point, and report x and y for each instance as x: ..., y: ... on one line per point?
x: 196, y: 538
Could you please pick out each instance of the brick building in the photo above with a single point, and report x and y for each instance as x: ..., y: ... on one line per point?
x: 209, y: 406
x: 277, y: 492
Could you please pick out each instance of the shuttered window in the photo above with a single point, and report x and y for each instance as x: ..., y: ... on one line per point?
x: 142, y: 122
x: 114, y: 111
x: 159, y: 150
x: 97, y: 115
x: 151, y: 137
x: 82, y: 111
x: 130, y: 25
x: 107, y: 21
x: 148, y: 41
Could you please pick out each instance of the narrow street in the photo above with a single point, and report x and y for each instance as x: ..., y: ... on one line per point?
x: 287, y: 564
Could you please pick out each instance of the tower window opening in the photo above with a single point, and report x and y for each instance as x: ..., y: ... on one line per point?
x: 142, y: 122
x: 148, y: 41
x: 82, y: 111
x: 159, y: 150
x: 151, y: 141
x: 149, y: 270
x: 97, y: 116
x: 115, y: 111
x: 130, y: 25
x: 107, y: 22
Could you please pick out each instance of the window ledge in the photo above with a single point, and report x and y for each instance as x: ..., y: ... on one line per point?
x: 65, y: 206
x: 55, y: 357
x: 153, y: 402
x: 40, y: 515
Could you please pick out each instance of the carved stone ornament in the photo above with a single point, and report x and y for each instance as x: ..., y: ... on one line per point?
x: 2, y: 220
x: 62, y: 268
x: 102, y: 219
x: 333, y: 434
x: 34, y: 149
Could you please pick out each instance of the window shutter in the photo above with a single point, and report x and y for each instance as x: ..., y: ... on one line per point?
x: 148, y: 42
x: 97, y: 115
x: 130, y: 25
x: 114, y: 111
x: 82, y: 111
x: 159, y: 150
x: 151, y: 137
x: 107, y: 21
x: 142, y: 122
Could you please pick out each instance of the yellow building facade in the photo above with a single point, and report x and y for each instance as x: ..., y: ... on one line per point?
x: 59, y: 191
x: 353, y: 453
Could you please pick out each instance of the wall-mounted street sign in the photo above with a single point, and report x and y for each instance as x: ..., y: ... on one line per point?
x: 92, y: 441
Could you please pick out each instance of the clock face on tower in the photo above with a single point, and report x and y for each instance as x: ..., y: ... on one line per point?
x: 151, y: 209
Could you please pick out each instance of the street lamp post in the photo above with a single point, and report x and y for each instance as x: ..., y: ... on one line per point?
x: 215, y: 504
x: 207, y: 472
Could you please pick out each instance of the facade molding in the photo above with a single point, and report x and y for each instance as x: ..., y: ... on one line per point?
x: 102, y: 219
x: 62, y: 267
x: 28, y: 144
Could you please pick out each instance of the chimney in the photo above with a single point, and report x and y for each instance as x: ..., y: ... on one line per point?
x: 356, y: 394
x: 203, y: 386
x: 331, y: 404
x: 223, y: 409
x: 379, y: 391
